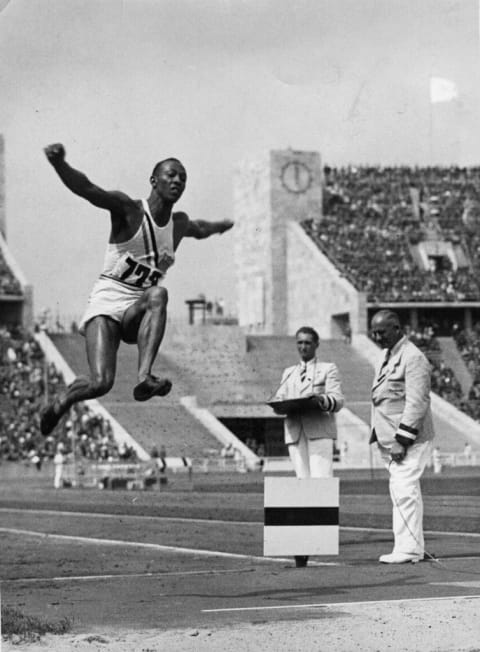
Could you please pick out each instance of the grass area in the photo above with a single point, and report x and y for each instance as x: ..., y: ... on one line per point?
x: 450, y: 498
x: 30, y: 628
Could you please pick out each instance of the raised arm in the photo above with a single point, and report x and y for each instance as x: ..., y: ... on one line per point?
x: 78, y: 183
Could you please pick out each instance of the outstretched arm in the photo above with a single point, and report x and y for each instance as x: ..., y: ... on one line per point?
x: 200, y: 229
x: 78, y: 183
x: 184, y: 227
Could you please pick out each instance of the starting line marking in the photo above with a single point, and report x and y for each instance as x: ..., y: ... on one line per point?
x: 205, y: 521
x: 336, y: 605
x: 157, y: 546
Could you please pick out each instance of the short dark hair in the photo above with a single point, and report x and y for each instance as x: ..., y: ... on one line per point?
x: 310, y: 331
x: 158, y: 166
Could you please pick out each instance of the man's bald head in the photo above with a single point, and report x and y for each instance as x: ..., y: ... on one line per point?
x: 386, y: 316
x: 386, y: 329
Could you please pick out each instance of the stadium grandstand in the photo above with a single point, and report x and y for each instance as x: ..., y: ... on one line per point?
x: 410, y: 235
x: 314, y: 245
x: 420, y: 224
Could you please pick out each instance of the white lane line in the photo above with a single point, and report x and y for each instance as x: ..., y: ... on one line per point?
x: 122, y: 576
x: 467, y: 585
x: 444, y: 558
x: 205, y: 521
x: 427, y: 532
x: 343, y: 605
x: 53, y: 512
x: 156, y: 546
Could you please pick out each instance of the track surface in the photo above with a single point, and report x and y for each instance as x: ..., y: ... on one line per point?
x: 192, y: 558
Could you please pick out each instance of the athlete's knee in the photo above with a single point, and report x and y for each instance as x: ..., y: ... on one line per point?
x: 101, y: 383
x: 157, y: 297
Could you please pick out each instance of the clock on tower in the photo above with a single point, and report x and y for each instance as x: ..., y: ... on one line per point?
x: 296, y: 177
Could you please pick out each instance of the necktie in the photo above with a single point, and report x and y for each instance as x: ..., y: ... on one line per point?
x: 384, y: 364
x: 303, y: 373
x: 387, y: 358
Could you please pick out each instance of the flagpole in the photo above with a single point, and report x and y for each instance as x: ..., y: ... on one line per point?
x: 430, y: 122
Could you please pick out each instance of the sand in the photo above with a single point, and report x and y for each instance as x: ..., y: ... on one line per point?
x: 438, y: 625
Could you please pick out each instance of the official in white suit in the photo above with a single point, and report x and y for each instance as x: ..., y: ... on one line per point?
x: 402, y: 428
x: 310, y: 432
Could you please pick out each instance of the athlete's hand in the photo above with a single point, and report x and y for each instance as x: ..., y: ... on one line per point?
x: 55, y: 153
x: 226, y: 225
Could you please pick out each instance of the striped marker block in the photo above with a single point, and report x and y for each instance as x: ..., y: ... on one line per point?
x: 301, y: 516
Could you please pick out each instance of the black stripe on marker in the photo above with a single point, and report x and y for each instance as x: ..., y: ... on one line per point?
x: 301, y: 515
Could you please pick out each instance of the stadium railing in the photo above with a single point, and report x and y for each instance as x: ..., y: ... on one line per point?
x: 123, y: 475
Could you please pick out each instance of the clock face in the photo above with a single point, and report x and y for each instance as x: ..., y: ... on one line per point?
x: 296, y: 177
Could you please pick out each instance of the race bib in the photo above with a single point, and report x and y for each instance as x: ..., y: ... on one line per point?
x: 133, y: 272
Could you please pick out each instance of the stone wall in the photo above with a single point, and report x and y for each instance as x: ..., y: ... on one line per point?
x: 253, y: 243
x: 3, y: 221
x: 317, y: 293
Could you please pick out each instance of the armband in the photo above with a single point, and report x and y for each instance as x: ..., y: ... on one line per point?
x: 406, y: 435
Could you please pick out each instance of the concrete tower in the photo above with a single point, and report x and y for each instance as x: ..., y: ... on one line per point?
x: 281, y: 186
x: 3, y: 221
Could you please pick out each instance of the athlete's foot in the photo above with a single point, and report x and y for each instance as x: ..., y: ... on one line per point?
x: 49, y: 419
x: 151, y: 386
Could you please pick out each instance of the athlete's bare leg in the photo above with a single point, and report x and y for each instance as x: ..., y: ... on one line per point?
x: 102, y: 337
x: 144, y: 322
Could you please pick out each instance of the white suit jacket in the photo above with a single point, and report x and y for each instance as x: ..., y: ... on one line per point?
x: 401, y: 397
x: 314, y: 423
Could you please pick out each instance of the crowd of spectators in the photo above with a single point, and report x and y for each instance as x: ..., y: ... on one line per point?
x: 27, y: 381
x: 443, y: 379
x: 8, y: 283
x: 374, y: 215
x: 468, y: 344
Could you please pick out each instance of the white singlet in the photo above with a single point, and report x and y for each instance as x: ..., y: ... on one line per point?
x: 144, y: 259
x: 130, y: 268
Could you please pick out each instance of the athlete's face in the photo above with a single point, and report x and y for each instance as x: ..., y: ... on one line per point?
x: 169, y: 182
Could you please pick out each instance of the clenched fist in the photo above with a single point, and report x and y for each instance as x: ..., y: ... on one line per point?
x: 55, y: 153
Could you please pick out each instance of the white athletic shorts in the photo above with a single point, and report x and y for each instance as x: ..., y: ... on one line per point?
x: 111, y: 299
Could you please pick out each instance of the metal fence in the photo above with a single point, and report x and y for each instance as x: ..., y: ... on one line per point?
x: 123, y: 475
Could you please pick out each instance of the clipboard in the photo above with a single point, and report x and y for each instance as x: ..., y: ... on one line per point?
x: 290, y: 404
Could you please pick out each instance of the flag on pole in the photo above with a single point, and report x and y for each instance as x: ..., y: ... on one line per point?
x: 442, y: 90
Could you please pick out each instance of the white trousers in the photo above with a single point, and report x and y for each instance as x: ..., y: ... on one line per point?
x: 57, y: 480
x: 406, y: 496
x: 312, y: 458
